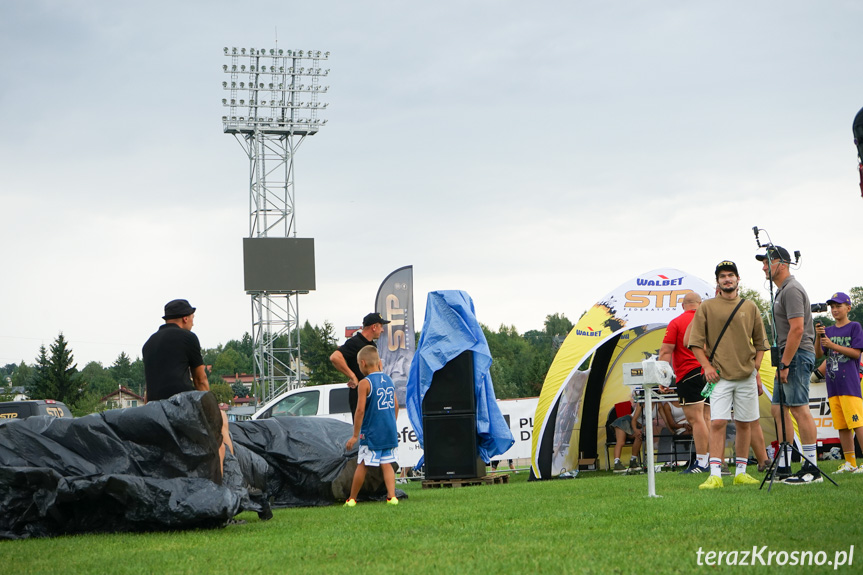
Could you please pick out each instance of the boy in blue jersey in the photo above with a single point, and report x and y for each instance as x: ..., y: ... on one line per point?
x: 374, y: 425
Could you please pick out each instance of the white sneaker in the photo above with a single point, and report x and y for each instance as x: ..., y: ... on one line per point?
x: 848, y: 468
x: 859, y: 469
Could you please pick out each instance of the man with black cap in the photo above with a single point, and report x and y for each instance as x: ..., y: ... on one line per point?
x: 172, y: 356
x: 173, y: 362
x: 795, y: 335
x: 728, y: 340
x: 344, y: 359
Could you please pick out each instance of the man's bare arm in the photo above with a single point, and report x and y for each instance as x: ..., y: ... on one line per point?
x: 199, y: 379
x: 338, y: 361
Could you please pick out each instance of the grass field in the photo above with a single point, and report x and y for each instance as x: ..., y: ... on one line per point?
x: 599, y: 523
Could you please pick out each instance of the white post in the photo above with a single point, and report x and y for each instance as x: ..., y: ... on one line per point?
x: 648, y: 445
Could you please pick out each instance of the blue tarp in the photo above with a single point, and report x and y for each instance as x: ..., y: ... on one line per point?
x: 450, y: 327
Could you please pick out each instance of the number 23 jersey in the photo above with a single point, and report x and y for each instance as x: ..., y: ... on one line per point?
x: 379, y: 421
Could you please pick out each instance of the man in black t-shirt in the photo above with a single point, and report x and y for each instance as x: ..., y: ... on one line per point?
x: 173, y: 362
x: 344, y: 359
x: 172, y: 355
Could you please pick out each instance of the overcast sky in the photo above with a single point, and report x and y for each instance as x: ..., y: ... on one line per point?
x: 535, y: 155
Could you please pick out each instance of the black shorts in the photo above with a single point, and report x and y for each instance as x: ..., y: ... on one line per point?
x: 689, y: 388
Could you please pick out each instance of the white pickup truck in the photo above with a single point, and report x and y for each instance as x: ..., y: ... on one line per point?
x: 332, y: 401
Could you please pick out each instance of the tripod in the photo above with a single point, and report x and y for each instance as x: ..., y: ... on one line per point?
x: 783, y: 445
x: 775, y: 357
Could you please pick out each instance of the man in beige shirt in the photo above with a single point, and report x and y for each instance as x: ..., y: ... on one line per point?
x: 733, y: 369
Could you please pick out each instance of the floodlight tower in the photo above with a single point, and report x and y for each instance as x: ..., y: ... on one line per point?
x: 273, y: 102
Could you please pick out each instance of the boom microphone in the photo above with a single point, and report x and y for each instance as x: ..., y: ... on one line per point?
x: 755, y: 231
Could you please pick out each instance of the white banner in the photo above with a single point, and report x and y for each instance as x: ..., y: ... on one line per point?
x: 518, y: 414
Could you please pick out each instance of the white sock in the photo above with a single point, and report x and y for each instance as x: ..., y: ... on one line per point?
x: 716, y: 466
x: 702, y: 459
x: 741, y: 465
x: 810, y: 452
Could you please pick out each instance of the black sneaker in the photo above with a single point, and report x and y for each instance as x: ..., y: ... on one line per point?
x: 782, y: 473
x: 807, y: 474
x: 695, y: 468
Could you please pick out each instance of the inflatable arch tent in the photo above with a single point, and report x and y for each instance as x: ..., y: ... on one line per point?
x: 585, y: 379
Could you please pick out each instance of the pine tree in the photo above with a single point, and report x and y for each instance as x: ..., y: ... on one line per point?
x: 62, y: 383
x: 38, y: 385
x: 122, y: 370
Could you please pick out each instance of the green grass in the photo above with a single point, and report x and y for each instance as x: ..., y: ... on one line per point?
x: 598, y: 523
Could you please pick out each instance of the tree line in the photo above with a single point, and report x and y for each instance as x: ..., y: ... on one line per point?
x: 520, y: 362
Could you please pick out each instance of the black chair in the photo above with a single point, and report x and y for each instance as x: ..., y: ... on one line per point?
x: 682, y: 442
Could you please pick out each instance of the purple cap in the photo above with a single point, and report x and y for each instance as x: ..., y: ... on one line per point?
x: 840, y: 297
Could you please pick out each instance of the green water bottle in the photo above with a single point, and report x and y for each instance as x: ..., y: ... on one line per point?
x: 708, y: 389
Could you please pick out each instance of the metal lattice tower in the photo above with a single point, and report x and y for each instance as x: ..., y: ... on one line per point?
x: 273, y: 104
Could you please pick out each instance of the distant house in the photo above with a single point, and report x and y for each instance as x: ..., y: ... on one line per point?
x: 241, y: 413
x: 248, y: 400
x: 122, y: 397
x: 351, y: 330
x: 18, y: 393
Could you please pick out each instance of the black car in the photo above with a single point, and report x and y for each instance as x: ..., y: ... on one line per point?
x: 31, y: 407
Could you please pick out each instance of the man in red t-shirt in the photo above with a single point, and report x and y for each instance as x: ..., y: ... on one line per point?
x: 690, y: 380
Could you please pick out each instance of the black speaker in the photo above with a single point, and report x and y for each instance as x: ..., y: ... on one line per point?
x: 452, y: 387
x: 450, y: 447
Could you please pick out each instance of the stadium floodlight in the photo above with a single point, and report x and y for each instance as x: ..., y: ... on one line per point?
x: 274, y: 79
x: 273, y: 104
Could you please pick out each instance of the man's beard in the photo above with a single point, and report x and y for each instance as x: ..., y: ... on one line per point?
x: 730, y: 289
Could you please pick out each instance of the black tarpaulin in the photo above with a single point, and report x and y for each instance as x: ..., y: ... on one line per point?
x: 308, y: 464
x: 146, y: 468
x: 156, y: 467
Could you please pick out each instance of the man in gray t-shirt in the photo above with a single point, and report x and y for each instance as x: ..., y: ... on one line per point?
x: 791, y: 300
x: 795, y: 335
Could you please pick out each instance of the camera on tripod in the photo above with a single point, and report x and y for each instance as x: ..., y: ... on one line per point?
x: 818, y: 307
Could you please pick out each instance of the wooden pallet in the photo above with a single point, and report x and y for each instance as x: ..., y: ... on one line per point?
x: 495, y: 479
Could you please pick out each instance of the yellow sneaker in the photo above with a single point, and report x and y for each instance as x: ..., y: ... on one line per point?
x: 713, y: 482
x: 393, y: 501
x: 846, y: 468
x: 351, y: 503
x: 745, y: 479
